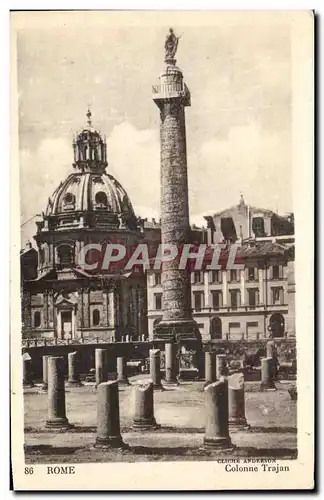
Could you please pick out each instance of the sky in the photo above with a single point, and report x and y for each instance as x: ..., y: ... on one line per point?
x: 238, y: 126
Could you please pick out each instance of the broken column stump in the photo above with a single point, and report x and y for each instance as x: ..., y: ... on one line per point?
x: 170, y: 364
x: 216, y: 412
x: 27, y: 376
x: 267, y: 375
x: 155, y: 369
x: 108, y: 420
x: 143, y: 395
x: 236, y: 403
x: 74, y: 377
x: 121, y: 371
x: 210, y: 367
x: 101, y: 366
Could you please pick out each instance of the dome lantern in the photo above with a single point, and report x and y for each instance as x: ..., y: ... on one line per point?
x: 90, y: 150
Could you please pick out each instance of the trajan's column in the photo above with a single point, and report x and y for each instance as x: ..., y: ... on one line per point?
x: 171, y: 95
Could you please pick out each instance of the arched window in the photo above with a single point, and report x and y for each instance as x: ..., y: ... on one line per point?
x: 37, y: 319
x: 101, y: 199
x: 65, y: 255
x: 277, y: 325
x: 95, y: 317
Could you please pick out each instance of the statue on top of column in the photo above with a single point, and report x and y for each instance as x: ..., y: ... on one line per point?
x: 171, y: 45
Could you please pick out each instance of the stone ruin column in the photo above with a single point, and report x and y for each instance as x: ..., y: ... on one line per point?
x: 236, y: 402
x: 56, y: 394
x: 101, y: 366
x: 74, y: 377
x: 221, y: 366
x: 108, y: 421
x: 144, y: 406
x: 171, y: 95
x: 121, y: 371
x: 272, y: 353
x: 155, y: 369
x: 267, y: 375
x: 26, y: 361
x: 216, y: 408
x: 171, y: 364
x: 210, y: 367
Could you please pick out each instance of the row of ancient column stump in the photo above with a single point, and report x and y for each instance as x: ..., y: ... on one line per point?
x: 224, y: 396
x: 216, y: 366
x: 224, y: 408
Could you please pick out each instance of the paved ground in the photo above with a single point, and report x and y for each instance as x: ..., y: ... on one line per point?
x: 180, y: 411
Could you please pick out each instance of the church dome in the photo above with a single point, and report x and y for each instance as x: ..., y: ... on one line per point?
x: 90, y: 196
x: 88, y: 191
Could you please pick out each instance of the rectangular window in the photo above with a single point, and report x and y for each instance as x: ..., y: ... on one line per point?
x: 158, y: 301
x: 252, y: 324
x: 217, y: 276
x: 198, y: 277
x: 258, y: 226
x: 275, y: 272
x: 253, y: 294
x: 216, y: 299
x: 235, y: 298
x: 198, y: 301
x: 277, y: 295
x: 157, y: 279
x: 234, y: 325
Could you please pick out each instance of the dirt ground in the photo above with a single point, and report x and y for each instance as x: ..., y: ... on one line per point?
x: 179, y: 411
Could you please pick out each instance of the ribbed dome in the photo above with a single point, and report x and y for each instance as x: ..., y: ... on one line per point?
x: 86, y: 192
x: 89, y: 198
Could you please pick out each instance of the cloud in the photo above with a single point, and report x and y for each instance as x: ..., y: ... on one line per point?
x: 40, y: 173
x: 248, y: 160
x: 134, y: 159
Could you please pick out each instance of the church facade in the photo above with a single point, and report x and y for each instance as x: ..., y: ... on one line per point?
x: 61, y: 299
